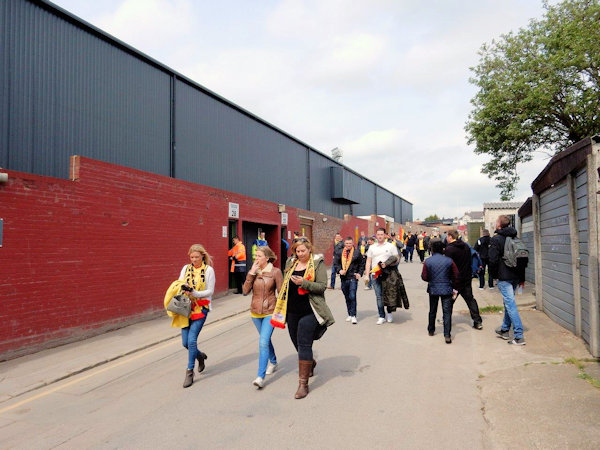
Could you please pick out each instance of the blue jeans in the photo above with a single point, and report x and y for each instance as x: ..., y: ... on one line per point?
x: 334, y: 270
x: 189, y: 339
x: 409, y: 253
x: 349, y: 289
x: 511, y: 313
x: 379, y: 296
x: 266, y: 351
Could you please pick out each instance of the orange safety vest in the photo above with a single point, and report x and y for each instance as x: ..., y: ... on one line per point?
x: 238, y: 252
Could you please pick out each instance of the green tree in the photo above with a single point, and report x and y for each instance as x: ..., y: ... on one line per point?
x: 538, y: 90
x: 432, y: 217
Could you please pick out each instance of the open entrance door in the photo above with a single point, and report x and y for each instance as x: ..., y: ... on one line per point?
x: 250, y: 232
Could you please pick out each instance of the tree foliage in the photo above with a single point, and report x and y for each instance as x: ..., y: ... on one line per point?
x: 539, y: 89
x: 432, y: 217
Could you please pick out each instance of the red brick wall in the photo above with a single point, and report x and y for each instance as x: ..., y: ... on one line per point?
x: 80, y: 257
x: 324, y: 231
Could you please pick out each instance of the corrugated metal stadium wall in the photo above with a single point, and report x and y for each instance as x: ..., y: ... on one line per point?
x: 219, y: 146
x: 70, y: 89
x: 581, y: 205
x: 320, y: 186
x: 527, y: 238
x: 66, y: 92
x: 557, y: 272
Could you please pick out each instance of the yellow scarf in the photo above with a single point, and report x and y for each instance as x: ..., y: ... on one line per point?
x: 347, y: 258
x: 280, y: 311
x: 195, y: 278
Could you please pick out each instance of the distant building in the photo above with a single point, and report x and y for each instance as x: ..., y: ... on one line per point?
x: 491, y: 212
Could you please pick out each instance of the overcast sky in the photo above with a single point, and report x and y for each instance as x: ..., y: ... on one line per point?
x: 384, y: 80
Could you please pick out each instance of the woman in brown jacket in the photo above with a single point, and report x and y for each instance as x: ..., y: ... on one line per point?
x: 263, y: 280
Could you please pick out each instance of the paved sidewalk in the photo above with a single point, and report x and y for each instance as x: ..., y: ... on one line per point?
x: 27, y: 373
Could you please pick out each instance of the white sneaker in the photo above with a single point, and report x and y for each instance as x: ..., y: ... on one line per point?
x: 389, y: 317
x: 348, y: 319
x: 354, y: 321
x: 380, y: 321
x: 259, y: 383
x: 368, y: 288
x: 271, y: 368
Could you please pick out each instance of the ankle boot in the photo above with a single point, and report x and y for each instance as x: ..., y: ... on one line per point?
x: 312, y: 369
x: 189, y: 378
x: 304, y: 368
x: 201, y: 357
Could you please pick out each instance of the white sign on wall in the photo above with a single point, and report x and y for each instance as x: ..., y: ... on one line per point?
x: 284, y: 219
x: 234, y: 210
x: 289, y: 234
x: 224, y: 231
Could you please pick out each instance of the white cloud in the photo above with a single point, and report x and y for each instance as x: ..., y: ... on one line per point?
x: 149, y: 25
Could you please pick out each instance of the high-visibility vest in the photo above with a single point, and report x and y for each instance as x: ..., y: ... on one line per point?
x: 238, y: 253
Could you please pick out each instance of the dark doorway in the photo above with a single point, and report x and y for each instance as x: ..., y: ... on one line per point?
x: 284, y: 251
x: 232, y: 233
x: 250, y: 232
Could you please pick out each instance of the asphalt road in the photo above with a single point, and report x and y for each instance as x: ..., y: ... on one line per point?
x: 388, y: 386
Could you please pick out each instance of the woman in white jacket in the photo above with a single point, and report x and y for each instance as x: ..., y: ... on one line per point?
x: 199, y: 278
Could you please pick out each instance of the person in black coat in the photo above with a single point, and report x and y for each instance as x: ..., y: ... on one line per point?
x: 483, y: 248
x: 350, y: 264
x: 460, y: 253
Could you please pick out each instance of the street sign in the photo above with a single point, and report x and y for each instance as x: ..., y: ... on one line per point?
x: 234, y: 210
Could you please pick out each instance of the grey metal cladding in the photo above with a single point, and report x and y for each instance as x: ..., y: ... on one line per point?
x: 385, y: 202
x: 69, y: 92
x: 67, y: 88
x: 366, y: 199
x: 320, y: 186
x: 407, y: 211
x: 219, y: 146
x: 398, y: 209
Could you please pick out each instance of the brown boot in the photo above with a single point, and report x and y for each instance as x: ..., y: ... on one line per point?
x: 312, y: 369
x: 304, y: 368
x: 189, y: 378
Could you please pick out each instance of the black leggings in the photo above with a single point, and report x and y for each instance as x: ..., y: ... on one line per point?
x: 302, y: 332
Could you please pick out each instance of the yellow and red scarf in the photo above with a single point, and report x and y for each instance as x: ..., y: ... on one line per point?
x: 347, y: 258
x: 280, y: 311
x: 196, y: 279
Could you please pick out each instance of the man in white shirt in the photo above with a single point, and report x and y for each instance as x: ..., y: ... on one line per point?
x: 377, y: 254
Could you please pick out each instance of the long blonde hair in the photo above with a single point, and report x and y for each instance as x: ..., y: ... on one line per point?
x: 205, y: 256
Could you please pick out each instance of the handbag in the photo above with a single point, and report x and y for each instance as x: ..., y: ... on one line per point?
x: 180, y: 304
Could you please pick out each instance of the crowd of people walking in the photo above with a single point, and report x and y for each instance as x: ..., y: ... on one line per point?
x: 295, y: 297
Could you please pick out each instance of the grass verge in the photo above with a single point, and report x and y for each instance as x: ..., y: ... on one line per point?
x: 493, y: 309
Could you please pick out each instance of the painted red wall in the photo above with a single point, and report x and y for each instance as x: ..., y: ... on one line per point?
x: 80, y: 257
x: 97, y: 252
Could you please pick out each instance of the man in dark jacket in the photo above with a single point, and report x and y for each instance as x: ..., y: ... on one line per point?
x: 460, y: 253
x: 338, y: 245
x: 482, y: 247
x: 411, y: 241
x: 351, y: 264
x: 441, y: 274
x: 508, y: 281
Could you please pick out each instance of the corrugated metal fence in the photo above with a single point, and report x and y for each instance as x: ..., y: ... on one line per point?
x: 564, y: 216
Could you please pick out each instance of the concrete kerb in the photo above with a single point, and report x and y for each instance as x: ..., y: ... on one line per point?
x: 29, y: 373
